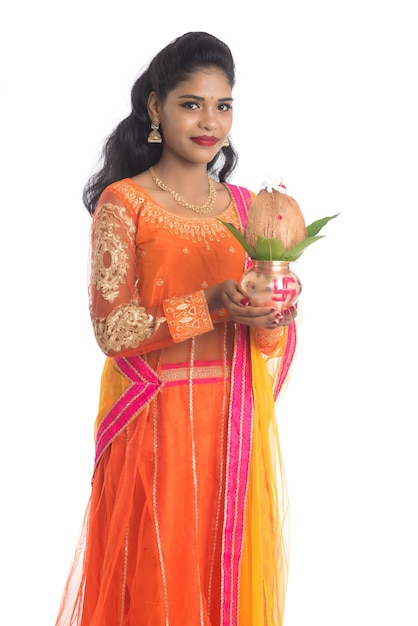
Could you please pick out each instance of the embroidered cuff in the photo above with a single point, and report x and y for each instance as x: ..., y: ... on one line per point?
x: 187, y: 316
x: 268, y: 339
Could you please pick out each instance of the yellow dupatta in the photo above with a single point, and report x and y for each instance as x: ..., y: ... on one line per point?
x: 264, y: 566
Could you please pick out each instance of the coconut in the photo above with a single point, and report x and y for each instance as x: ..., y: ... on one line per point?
x: 275, y: 215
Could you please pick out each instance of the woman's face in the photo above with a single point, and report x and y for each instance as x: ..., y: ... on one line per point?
x: 196, y: 116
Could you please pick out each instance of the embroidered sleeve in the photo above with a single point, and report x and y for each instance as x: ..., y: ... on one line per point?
x: 113, y: 236
x: 125, y: 328
x: 121, y: 324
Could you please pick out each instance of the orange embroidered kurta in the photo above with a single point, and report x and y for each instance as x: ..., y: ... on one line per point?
x: 154, y: 546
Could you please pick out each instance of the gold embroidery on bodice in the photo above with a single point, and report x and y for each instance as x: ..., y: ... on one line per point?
x: 205, y: 229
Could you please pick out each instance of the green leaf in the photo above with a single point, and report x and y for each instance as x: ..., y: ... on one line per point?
x: 315, y: 227
x: 250, y: 251
x: 293, y: 253
x: 273, y: 249
x: 268, y: 249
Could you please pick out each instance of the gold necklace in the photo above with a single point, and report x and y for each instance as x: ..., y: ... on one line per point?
x: 204, y: 208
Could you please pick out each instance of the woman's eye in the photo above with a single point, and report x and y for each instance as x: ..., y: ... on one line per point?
x: 225, y: 107
x: 190, y: 105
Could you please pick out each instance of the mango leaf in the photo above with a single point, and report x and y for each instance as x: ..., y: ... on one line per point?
x: 273, y: 249
x: 249, y: 249
x: 293, y: 253
x: 268, y: 249
x: 315, y: 227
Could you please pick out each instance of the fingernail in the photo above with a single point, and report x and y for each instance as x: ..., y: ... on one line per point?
x: 272, y: 310
x: 244, y: 302
x: 286, y: 311
x: 279, y: 316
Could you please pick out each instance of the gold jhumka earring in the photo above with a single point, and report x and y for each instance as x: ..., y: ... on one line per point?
x: 155, y: 136
x: 225, y: 143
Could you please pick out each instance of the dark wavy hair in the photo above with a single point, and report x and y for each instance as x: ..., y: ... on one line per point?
x: 126, y: 151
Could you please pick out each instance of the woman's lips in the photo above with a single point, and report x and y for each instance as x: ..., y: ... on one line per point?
x: 204, y: 140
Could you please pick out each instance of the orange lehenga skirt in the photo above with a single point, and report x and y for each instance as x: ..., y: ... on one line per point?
x: 186, y: 525
x: 157, y: 495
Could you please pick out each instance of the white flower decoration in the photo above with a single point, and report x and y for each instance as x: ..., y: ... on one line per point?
x: 273, y: 182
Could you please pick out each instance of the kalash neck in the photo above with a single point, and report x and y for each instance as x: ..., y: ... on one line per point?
x: 202, y: 209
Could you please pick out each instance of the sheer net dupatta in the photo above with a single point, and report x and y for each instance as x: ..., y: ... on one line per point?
x: 264, y: 570
x: 71, y: 607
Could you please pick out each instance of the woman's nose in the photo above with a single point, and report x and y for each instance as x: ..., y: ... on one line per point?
x: 208, y: 120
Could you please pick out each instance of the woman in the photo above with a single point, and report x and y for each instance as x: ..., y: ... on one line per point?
x: 185, y: 523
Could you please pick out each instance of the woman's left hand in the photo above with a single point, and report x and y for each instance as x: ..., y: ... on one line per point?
x: 237, y: 304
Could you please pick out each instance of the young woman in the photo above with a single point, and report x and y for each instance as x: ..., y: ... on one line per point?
x: 185, y: 525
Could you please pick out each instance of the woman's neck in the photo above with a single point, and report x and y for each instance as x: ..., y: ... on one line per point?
x: 185, y: 178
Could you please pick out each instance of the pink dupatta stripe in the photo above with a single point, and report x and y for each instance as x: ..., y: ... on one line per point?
x: 238, y: 456
x: 289, y: 353
x: 145, y: 386
x: 237, y: 473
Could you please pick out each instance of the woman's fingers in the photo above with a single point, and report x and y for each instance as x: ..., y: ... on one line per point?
x: 238, y: 306
x: 262, y: 317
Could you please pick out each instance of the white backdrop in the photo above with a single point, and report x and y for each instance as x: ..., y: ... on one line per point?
x: 326, y: 97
